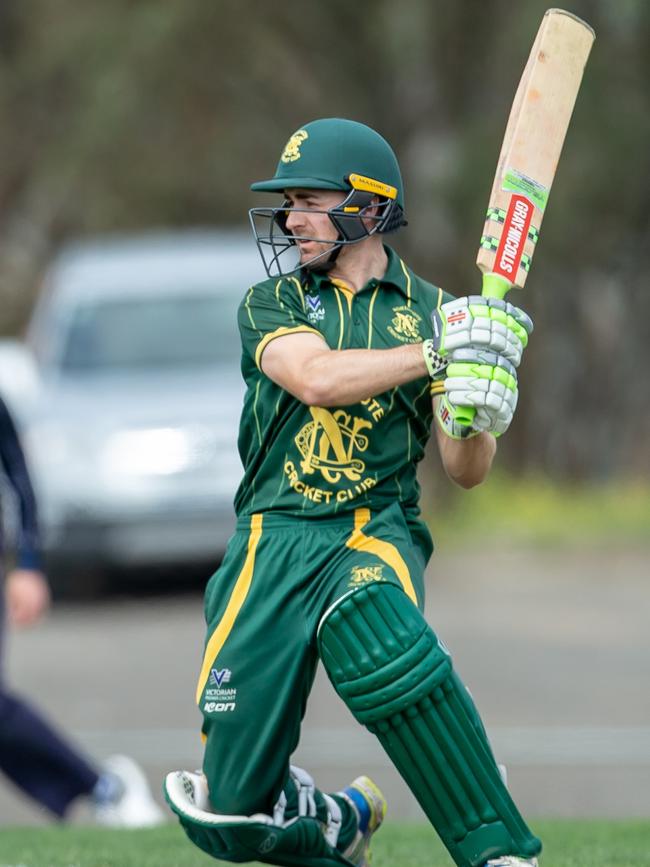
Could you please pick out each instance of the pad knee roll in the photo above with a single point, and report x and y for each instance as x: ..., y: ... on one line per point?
x: 397, y: 678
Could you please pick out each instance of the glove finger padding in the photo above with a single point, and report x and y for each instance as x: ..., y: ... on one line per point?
x: 475, y: 321
x: 484, y: 382
x: 495, y: 422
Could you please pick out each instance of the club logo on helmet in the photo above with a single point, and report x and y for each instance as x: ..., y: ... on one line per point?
x: 291, y: 151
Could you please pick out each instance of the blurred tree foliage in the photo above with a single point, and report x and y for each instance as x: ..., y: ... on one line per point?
x: 128, y: 114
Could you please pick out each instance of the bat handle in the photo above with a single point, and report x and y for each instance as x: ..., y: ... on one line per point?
x: 465, y: 415
x: 494, y: 286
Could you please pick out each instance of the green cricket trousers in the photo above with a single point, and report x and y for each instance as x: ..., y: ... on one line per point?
x: 279, y: 576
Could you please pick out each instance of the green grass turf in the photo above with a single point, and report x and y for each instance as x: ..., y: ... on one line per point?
x: 566, y: 844
x: 541, y: 513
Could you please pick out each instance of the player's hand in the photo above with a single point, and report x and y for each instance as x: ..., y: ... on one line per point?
x: 27, y: 595
x: 481, y: 323
x: 480, y: 394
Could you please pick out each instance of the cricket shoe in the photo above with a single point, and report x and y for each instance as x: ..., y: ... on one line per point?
x: 369, y: 804
x: 511, y: 861
x: 122, y: 797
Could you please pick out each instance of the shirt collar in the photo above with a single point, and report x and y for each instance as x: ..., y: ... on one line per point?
x: 397, y: 275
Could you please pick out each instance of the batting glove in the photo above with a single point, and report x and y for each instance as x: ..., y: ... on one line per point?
x: 480, y: 394
x: 481, y: 323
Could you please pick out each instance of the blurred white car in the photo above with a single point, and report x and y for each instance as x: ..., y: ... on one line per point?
x: 130, y: 398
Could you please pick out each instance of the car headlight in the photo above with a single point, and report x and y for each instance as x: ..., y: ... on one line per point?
x: 46, y: 443
x: 153, y: 451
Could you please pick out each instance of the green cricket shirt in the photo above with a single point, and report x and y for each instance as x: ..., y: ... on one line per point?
x: 310, y: 461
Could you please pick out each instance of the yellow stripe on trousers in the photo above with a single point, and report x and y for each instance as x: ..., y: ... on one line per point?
x: 237, y: 599
x: 358, y: 541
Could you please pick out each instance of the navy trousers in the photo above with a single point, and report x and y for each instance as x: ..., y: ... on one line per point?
x: 35, y: 757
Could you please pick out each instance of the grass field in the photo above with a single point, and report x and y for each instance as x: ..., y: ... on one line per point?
x: 566, y: 844
x: 541, y: 513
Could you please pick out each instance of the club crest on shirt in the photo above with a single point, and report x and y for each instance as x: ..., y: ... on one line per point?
x: 330, y: 444
x: 315, y: 309
x: 405, y: 325
x: 332, y: 468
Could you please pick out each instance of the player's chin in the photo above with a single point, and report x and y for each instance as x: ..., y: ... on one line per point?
x: 311, y: 252
x: 308, y: 249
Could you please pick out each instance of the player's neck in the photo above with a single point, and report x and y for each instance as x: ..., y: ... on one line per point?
x: 359, y: 263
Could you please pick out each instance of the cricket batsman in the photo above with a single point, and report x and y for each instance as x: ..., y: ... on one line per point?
x: 350, y: 360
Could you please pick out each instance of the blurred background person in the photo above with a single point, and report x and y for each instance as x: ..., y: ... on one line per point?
x: 33, y: 755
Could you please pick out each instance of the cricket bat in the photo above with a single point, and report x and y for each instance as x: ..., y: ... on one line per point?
x: 531, y: 149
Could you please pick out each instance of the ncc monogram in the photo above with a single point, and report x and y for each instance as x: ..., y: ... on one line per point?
x: 328, y: 443
x: 361, y: 575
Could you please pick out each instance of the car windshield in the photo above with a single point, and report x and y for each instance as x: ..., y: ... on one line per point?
x: 150, y: 331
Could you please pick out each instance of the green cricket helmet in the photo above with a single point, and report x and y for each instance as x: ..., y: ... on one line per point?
x: 331, y: 154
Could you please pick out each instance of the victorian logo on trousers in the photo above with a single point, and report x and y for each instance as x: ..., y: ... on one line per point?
x: 219, y: 698
x: 219, y: 677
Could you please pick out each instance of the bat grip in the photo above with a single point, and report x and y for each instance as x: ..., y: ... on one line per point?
x: 495, y: 286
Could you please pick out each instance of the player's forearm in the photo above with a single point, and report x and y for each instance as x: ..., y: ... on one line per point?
x: 347, y: 376
x: 467, y: 462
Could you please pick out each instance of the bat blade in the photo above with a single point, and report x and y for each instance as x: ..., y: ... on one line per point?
x: 531, y: 149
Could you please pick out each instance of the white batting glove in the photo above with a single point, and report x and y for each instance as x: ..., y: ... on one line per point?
x: 480, y: 394
x: 482, y: 323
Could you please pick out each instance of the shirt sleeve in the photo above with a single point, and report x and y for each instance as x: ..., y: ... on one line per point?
x: 445, y: 296
x: 270, y: 310
x: 13, y: 462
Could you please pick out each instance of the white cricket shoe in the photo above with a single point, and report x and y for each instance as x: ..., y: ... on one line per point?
x: 131, y: 804
x: 511, y: 861
x: 368, y: 802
